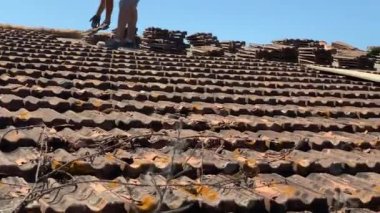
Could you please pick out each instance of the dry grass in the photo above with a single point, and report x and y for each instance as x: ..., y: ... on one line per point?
x: 62, y: 33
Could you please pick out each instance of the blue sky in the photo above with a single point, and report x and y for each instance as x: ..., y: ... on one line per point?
x: 353, y: 21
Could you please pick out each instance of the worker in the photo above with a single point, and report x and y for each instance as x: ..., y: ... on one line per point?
x: 127, y: 17
x: 95, y: 20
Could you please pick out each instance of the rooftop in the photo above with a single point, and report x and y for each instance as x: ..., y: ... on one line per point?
x: 86, y: 129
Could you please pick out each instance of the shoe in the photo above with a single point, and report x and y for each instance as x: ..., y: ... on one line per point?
x: 113, y: 44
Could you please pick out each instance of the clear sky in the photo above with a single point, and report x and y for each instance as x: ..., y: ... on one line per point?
x: 258, y: 21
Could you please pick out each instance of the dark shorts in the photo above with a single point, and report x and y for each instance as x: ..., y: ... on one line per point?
x: 127, y: 2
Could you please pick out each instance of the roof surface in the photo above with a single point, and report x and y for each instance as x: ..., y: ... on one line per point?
x: 85, y: 129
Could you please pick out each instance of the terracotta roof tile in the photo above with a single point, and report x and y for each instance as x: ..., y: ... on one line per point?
x: 112, y: 130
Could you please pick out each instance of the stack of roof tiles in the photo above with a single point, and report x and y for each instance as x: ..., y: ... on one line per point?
x: 272, y: 52
x: 164, y: 41
x: 203, y: 39
x: 309, y: 51
x: 85, y: 129
x: 345, y: 59
x: 248, y: 52
x: 348, y: 56
x: 207, y: 51
x: 377, y: 63
x: 298, y: 42
x: 205, y: 44
x: 232, y: 46
x: 314, y: 55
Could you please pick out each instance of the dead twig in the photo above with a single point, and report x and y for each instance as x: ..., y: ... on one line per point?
x: 162, y: 194
x: 40, y: 160
x: 111, y: 143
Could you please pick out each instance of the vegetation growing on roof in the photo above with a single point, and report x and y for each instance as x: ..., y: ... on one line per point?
x: 373, y: 52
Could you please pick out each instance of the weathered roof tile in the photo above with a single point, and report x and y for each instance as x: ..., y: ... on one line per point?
x: 247, y: 134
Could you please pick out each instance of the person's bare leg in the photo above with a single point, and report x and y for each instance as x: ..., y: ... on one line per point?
x: 123, y: 20
x: 127, y: 15
x: 109, y: 9
x: 132, y: 20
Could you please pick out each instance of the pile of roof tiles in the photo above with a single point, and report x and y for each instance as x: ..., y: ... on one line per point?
x: 347, y: 60
x: 298, y: 42
x: 207, y: 51
x: 347, y: 56
x: 314, y: 55
x: 271, y: 52
x: 205, y: 44
x: 309, y: 51
x: 203, y: 39
x: 377, y: 63
x: 164, y: 41
x: 232, y: 46
x: 248, y: 52
x: 86, y: 129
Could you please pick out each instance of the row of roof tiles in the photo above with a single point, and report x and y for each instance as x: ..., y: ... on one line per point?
x: 182, y: 87
x: 191, y: 79
x: 262, y: 140
x: 217, y: 193
x: 128, y: 120
x: 132, y: 163
x: 32, y: 103
x: 73, y: 139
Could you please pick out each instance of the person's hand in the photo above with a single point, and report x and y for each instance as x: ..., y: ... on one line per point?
x: 95, y: 21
